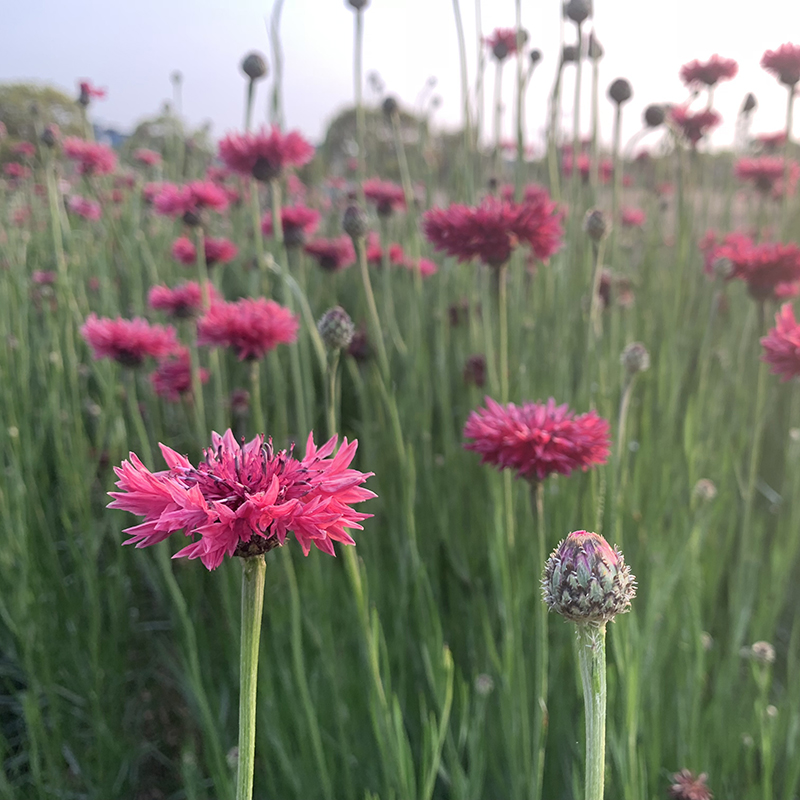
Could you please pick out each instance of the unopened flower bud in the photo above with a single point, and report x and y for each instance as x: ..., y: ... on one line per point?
x: 749, y: 103
x: 635, y: 358
x: 595, y: 224
x: 354, y: 222
x: 578, y: 10
x: 475, y: 370
x: 535, y: 56
x: 722, y: 268
x: 596, y: 51
x: 49, y: 136
x: 569, y: 54
x: 336, y: 328
x: 358, y: 4
x: 586, y: 580
x: 500, y: 50
x: 772, y: 712
x: 654, y: 115
x: 390, y: 106
x: 620, y: 91
x: 254, y: 65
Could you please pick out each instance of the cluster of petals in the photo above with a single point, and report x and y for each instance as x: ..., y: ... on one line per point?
x: 694, y: 125
x: 708, y: 73
x: 264, y: 155
x: 492, y: 230
x: 375, y: 252
x: 605, y: 169
x: 782, y: 344
x: 502, y: 40
x: 250, y: 326
x: 88, y: 90
x: 24, y: 149
x: 297, y: 222
x: 244, y: 498
x: 783, y: 63
x: 172, y: 378
x: 91, y: 158
x: 766, y: 173
x: 386, y: 195
x: 182, y: 302
x: 537, y: 439
x: 148, y: 158
x: 332, y: 255
x: 84, y: 207
x: 217, y: 251
x: 633, y: 217
x: 771, y: 141
x: 17, y: 171
x: 128, y: 341
x: 177, y: 201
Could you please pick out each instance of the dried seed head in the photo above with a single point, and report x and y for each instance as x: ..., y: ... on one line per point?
x: 336, y: 328
x: 620, y: 91
x: 654, y: 115
x: 354, y: 222
x: 595, y: 224
x: 762, y: 652
x: 635, y: 358
x: 705, y: 490
x: 254, y: 65
x: 586, y: 580
x: 500, y: 50
x: 578, y: 10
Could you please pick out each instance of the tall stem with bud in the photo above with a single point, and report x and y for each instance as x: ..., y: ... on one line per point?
x: 592, y: 663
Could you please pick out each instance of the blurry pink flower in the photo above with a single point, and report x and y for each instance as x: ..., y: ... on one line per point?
x: 782, y: 345
x: 151, y: 190
x: 502, y: 42
x: 297, y: 222
x: 88, y: 91
x: 264, y: 155
x: 149, y: 158
x: 17, y: 171
x: 771, y: 141
x: 128, y: 341
x: 243, y: 499
x: 24, y: 149
x: 43, y: 277
x: 189, y: 201
x: 332, y: 255
x: 21, y: 216
x: 783, y: 63
x: 251, y: 327
x: 173, y: 377
x: 182, y: 302
x: 709, y: 72
x: 91, y: 158
x: 85, y: 208
x: 425, y: 266
x: 766, y: 172
x: 694, y: 125
x: 218, y: 251
x: 537, y: 440
x: 387, y: 196
x: 633, y: 217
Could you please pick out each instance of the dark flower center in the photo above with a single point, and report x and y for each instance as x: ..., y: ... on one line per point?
x: 265, y: 170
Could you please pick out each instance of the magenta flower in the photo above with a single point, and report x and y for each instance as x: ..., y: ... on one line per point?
x: 252, y: 327
x: 782, y: 345
x: 709, y: 72
x: 264, y: 155
x: 770, y: 142
x: 182, y: 302
x: 387, y: 196
x: 243, y: 499
x: 537, y: 440
x: 502, y: 42
x: 148, y: 158
x: 24, y: 149
x: 189, y: 201
x: 332, y: 255
x: 91, y: 158
x: 17, y: 171
x: 633, y: 217
x: 493, y: 229
x: 87, y: 209
x: 88, y: 91
x: 694, y: 126
x: 173, y: 376
x: 297, y: 222
x: 218, y: 251
x: 127, y: 341
x: 783, y: 63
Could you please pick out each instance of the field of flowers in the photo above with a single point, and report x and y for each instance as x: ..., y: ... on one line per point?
x: 508, y: 348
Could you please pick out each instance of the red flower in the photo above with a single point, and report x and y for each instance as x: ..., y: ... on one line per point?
x: 782, y: 344
x: 265, y: 154
x: 694, y: 126
x: 633, y: 217
x: 218, y: 251
x: 128, y: 341
x: 387, y: 196
x: 252, y: 327
x: 84, y: 208
x: 493, y: 229
x: 783, y: 63
x: 149, y: 158
x: 766, y: 172
x: 89, y: 91
x: 685, y: 786
x: 92, y: 158
x: 709, y: 72
x: 297, y: 223
x: 173, y: 376
x: 189, y: 201
x: 537, y: 440
x: 332, y: 254
x: 243, y: 499
x: 184, y: 301
x: 502, y: 42
x: 17, y: 171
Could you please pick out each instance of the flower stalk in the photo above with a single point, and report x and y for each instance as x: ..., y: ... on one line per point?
x: 592, y: 663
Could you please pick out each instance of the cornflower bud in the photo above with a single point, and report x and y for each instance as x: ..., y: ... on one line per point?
x: 595, y: 225
x: 749, y: 103
x: 578, y: 10
x: 336, y: 328
x: 358, y: 4
x: 635, y: 358
x: 535, y: 56
x: 620, y: 91
x: 654, y: 115
x: 354, y: 222
x: 254, y: 65
x: 596, y: 51
x: 569, y: 54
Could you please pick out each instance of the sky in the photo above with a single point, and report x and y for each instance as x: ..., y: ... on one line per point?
x: 132, y: 49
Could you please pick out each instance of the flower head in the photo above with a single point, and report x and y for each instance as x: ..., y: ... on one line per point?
x: 766, y: 172
x: 87, y: 209
x: 217, y: 251
x: 264, y: 155
x: 252, y: 327
x: 687, y: 786
x: 182, y: 302
x: 148, y: 158
x: 782, y: 345
x: 190, y: 200
x: 386, y: 196
x: 332, y: 254
x: 244, y: 498
x: 173, y: 376
x: 91, y: 158
x: 783, y: 63
x: 694, y: 126
x: 536, y: 439
x: 633, y: 217
x: 297, y: 222
x: 493, y: 229
x: 128, y: 341
x: 86, y: 91
x: 502, y: 42
x: 708, y: 73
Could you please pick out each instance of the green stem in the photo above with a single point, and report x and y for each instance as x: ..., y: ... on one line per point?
x: 360, y: 122
x: 592, y: 663
x: 275, y: 201
x: 785, y: 199
x: 248, y: 112
x: 542, y: 654
x: 332, y: 393
x: 498, y: 108
x: 502, y: 302
x: 519, y: 174
x: 576, y: 117
x: 462, y: 60
x: 255, y: 400
x: 255, y: 212
x: 253, y: 573
x: 375, y: 322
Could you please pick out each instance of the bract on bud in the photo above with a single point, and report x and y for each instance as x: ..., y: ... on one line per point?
x: 586, y: 580
x: 254, y: 65
x: 354, y: 222
x: 336, y: 328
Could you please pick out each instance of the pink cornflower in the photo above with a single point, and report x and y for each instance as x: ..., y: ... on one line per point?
x: 173, y: 377
x: 493, y: 229
x: 425, y: 266
x: 771, y: 141
x: 709, y: 72
x: 243, y: 499
x: 218, y: 251
x: 85, y: 208
x: 783, y: 63
x: 87, y: 91
x: 688, y: 786
x: 782, y: 345
x: 153, y: 189
x: 332, y: 255
x: 387, y: 196
x: 765, y: 172
x: 375, y: 252
x: 149, y: 158
x: 633, y: 217
x: 252, y: 327
x: 502, y: 42
x: 297, y: 222
x: 265, y: 154
x: 43, y: 277
x: 189, y: 201
x: 537, y: 440
x: 128, y: 341
x: 24, y: 149
x: 584, y: 165
x: 92, y: 158
x: 17, y: 171
x: 183, y: 302
x: 694, y: 126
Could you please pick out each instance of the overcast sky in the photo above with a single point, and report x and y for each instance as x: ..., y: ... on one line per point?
x: 131, y: 48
